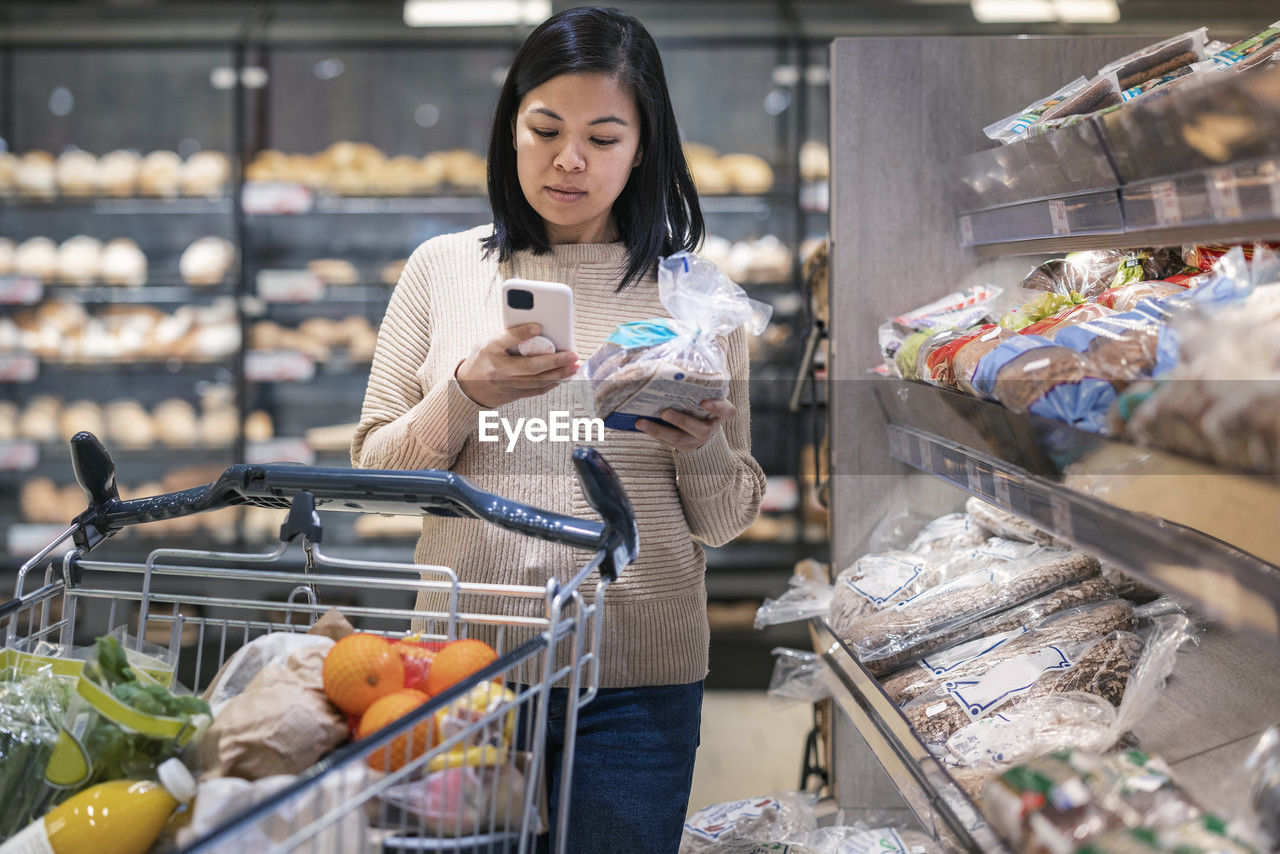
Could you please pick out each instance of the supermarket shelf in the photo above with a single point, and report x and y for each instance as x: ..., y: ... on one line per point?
x: 1167, y: 518
x: 194, y: 205
x: 941, y: 806
x: 1154, y: 172
x: 158, y: 291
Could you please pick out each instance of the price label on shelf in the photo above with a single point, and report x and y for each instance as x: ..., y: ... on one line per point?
x: 281, y: 450
x: 1060, y: 516
x: 278, y: 366
x: 1224, y: 195
x: 20, y: 290
x: 1001, y: 488
x: 276, y: 198
x: 966, y: 230
x: 1164, y: 195
x: 1058, y: 217
x: 19, y: 455
x: 974, y: 478
x: 289, y: 286
x: 18, y: 367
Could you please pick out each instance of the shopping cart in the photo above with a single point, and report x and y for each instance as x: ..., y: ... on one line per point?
x: 480, y: 788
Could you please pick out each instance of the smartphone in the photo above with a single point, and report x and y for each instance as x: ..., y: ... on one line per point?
x: 547, y: 303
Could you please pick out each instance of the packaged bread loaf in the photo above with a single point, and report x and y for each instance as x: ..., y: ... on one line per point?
x: 1100, y: 667
x: 1030, y: 373
x: 971, y: 352
x: 947, y: 533
x: 1127, y: 297
x: 645, y: 367
x: 876, y: 581
x: 1002, y: 523
x: 1019, y: 618
x: 969, y: 597
x: 975, y: 657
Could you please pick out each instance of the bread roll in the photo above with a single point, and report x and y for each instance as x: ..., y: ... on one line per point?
x: 34, y: 175
x: 37, y: 257
x: 390, y: 273
x: 8, y: 170
x: 175, y: 423
x: 747, y: 172
x: 334, y: 271
x: 8, y: 251
x: 321, y: 330
x: 207, y: 261
x: 219, y: 427
x: 9, y: 414
x: 431, y: 172
x: 39, y: 500
x: 123, y: 263
x: 82, y: 415
x: 128, y: 424
x: 72, y: 502
x: 76, y: 172
x: 815, y: 161
x: 267, y: 165
x: 160, y: 174
x: 118, y: 173
x: 205, y: 173
x: 258, y: 426
x: 710, y: 177
x: 79, y: 260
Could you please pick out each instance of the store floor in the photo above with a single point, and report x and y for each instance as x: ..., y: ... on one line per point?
x: 750, y: 746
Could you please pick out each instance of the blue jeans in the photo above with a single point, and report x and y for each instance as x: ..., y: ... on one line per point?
x: 632, y: 768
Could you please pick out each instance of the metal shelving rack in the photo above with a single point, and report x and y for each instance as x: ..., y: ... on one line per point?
x: 913, y: 207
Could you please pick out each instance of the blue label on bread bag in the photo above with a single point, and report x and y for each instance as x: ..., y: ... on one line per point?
x: 1083, y: 404
x: 627, y: 421
x: 642, y: 333
x: 984, y: 374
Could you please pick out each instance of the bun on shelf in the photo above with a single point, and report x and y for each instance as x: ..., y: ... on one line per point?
x: 39, y: 421
x: 207, y: 261
x: 40, y: 501
x: 37, y: 257
x: 123, y: 263
x: 81, y: 415
x: 118, y: 173
x: 815, y: 161
x: 128, y: 424
x: 77, y: 173
x: 79, y: 260
x: 334, y: 271
x: 748, y: 173
x: 8, y: 251
x: 175, y: 423
x: 160, y: 174
x: 35, y: 176
x: 8, y: 170
x: 205, y: 173
x: 258, y: 426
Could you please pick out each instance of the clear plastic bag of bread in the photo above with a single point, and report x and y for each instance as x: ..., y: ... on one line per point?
x: 676, y: 362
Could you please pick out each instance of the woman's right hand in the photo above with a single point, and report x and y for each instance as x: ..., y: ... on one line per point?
x: 491, y: 376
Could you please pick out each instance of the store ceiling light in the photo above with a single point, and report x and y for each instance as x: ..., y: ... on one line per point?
x: 1088, y: 11
x: 475, y: 13
x: 1012, y: 11
x: 1029, y: 11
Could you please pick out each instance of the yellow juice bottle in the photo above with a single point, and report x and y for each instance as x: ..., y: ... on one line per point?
x: 118, y: 817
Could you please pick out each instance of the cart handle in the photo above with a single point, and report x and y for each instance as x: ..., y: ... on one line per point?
x: 406, y: 493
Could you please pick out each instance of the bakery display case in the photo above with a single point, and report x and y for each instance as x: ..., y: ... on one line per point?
x: 915, y: 213
x: 218, y: 232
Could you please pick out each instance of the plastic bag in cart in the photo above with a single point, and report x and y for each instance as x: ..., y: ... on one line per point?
x: 121, y: 722
x: 33, y: 701
x: 647, y: 366
x: 462, y: 800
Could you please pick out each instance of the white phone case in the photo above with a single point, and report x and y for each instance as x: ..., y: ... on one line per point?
x: 552, y: 307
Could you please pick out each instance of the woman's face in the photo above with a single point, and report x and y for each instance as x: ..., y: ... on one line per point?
x: 577, y: 138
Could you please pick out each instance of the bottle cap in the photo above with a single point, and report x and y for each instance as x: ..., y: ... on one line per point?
x: 177, y: 780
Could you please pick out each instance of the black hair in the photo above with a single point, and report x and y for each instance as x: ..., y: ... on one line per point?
x: 657, y: 211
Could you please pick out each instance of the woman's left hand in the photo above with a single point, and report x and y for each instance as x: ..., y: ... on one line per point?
x: 688, y: 432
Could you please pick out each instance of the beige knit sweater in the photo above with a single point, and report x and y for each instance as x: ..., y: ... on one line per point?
x: 415, y: 416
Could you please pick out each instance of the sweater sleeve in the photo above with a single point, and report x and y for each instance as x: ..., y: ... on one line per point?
x: 407, y: 422
x: 721, y: 484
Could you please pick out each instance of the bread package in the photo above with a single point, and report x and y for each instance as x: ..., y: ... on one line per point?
x: 647, y: 366
x: 1030, y: 373
x: 938, y: 610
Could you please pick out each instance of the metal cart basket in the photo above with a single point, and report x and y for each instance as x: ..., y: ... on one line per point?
x: 480, y: 786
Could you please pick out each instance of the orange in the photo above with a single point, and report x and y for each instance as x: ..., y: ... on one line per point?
x: 359, y: 669
x: 458, y: 660
x: 387, y: 710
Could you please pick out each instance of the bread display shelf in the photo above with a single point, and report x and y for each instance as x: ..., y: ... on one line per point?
x: 140, y: 205
x: 155, y: 291
x: 1205, y: 760
x: 1167, y: 518
x: 1152, y: 173
x: 1157, y: 137
x: 304, y: 203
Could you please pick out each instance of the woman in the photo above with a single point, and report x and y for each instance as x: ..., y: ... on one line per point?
x: 589, y: 187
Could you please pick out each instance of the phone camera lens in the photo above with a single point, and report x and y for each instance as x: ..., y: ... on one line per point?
x: 520, y: 299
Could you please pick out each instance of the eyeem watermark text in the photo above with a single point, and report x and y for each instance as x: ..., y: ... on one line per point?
x: 559, y: 427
